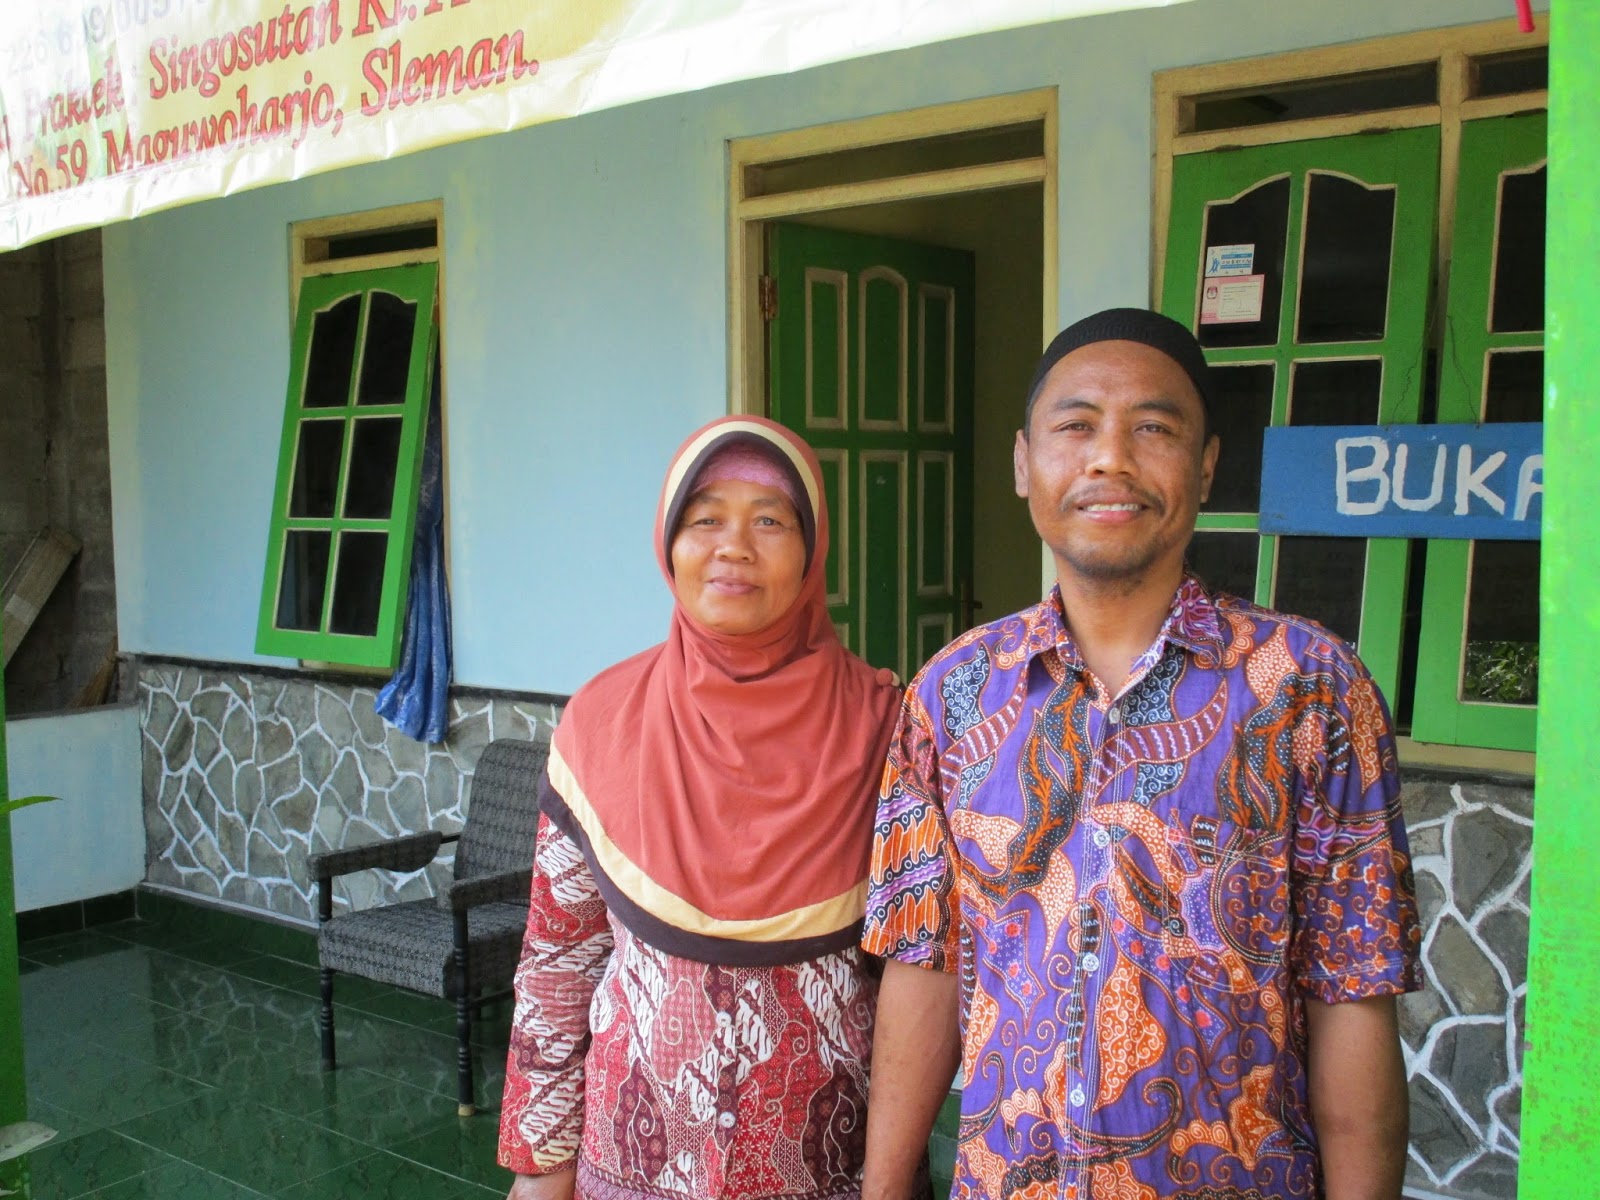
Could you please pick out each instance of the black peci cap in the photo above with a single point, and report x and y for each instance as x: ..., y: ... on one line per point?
x: 1129, y: 325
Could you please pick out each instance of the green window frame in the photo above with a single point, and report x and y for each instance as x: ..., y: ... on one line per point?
x: 1405, y: 160
x: 1491, y: 150
x: 339, y: 542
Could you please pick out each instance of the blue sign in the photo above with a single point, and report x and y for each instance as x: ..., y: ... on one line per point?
x: 1404, y: 481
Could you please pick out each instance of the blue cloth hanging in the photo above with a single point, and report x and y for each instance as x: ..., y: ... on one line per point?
x: 417, y: 700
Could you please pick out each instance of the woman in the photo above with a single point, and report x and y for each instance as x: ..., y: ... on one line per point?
x: 693, y: 1015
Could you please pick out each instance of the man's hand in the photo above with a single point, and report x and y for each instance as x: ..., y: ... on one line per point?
x: 916, y: 1049
x: 1359, y: 1104
x: 558, y: 1186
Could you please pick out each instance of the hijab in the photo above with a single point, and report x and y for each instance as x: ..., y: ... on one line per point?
x: 723, y: 787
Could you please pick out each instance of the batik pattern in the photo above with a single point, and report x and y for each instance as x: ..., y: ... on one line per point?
x: 659, y: 1076
x: 1140, y: 891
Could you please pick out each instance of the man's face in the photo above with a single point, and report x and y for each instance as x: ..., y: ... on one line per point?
x: 1115, y: 462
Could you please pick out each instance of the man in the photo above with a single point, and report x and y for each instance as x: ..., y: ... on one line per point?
x: 1139, y: 866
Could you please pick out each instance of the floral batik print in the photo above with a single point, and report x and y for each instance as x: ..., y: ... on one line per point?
x: 1139, y: 892
x: 658, y: 1076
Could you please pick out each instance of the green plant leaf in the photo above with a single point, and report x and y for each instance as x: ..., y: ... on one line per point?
x: 16, y: 1140
x: 7, y: 806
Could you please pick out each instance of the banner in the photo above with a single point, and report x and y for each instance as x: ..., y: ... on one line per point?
x: 1404, y: 481
x: 112, y: 108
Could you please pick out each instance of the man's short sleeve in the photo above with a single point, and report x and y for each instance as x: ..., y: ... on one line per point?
x: 912, y: 898
x: 1356, y: 928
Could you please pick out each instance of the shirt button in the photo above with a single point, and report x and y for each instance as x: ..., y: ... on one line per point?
x: 1101, y: 838
x: 724, y: 1020
x: 1114, y: 714
x: 1077, y: 1097
x: 1090, y: 961
x: 725, y: 1120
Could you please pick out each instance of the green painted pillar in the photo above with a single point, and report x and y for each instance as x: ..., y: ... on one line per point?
x: 1560, y: 1102
x: 13, y: 1089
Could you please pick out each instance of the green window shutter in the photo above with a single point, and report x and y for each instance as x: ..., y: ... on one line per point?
x: 344, y: 510
x: 1317, y: 356
x: 1492, y: 371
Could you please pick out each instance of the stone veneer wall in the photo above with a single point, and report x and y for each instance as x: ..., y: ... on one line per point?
x: 1472, y: 847
x: 246, y: 773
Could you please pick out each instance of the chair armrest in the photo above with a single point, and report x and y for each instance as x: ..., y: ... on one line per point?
x: 410, y: 852
x: 458, y: 895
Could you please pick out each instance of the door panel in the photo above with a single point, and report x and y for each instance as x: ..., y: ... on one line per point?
x: 870, y: 359
x: 827, y: 347
x: 883, y: 553
x: 835, y: 478
x: 935, y: 522
x: 882, y: 350
x: 936, y: 329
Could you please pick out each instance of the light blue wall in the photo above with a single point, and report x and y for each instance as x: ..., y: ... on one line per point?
x: 90, y: 841
x: 585, y: 317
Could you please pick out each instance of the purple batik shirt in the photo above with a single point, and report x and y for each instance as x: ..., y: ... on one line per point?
x: 1140, y: 891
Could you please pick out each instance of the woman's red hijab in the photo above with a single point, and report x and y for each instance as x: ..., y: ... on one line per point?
x: 723, y: 787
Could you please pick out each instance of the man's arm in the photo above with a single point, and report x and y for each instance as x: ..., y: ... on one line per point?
x: 916, y: 1049
x: 1359, y: 1104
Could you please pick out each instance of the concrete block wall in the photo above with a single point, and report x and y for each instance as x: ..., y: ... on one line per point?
x: 22, y: 400
x: 55, y: 460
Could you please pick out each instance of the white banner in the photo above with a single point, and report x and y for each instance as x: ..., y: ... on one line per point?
x: 112, y: 108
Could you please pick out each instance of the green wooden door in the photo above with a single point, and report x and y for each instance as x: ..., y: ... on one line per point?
x: 1338, y: 236
x: 871, y: 361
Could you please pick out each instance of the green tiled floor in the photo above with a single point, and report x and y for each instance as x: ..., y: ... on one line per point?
x: 184, y: 1065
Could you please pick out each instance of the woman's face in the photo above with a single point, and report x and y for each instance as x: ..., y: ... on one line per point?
x: 738, y: 556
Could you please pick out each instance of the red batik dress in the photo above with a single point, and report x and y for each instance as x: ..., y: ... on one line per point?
x: 660, y: 1076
